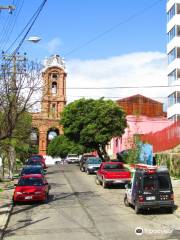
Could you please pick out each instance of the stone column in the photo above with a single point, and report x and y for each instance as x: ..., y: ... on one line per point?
x: 42, y: 142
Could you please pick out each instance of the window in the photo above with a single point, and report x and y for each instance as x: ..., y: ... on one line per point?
x: 54, y: 87
x: 171, y: 13
x: 172, y: 55
x: 172, y: 77
x: 171, y: 34
x: 171, y: 99
x: 163, y: 182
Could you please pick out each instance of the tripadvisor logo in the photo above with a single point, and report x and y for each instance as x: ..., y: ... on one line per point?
x: 139, y: 231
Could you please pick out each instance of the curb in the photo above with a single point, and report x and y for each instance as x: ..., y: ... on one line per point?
x: 7, y: 213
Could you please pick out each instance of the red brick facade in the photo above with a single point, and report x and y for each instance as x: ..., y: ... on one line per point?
x: 53, y: 101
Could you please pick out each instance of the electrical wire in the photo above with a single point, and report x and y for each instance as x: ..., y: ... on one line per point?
x: 31, y: 23
x: 13, y: 24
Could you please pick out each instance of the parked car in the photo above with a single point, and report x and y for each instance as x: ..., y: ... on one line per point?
x: 112, y: 173
x: 32, y: 169
x: 72, y: 158
x: 150, y: 188
x: 92, y: 164
x: 83, y: 160
x: 32, y: 187
x: 35, y: 163
x: 38, y: 157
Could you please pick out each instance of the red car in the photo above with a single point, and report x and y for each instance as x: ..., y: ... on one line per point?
x: 112, y: 173
x: 38, y: 157
x: 32, y: 187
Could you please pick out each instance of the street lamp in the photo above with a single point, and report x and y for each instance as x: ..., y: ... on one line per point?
x: 34, y: 39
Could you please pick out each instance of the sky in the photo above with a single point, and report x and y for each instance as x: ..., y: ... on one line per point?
x: 117, y: 45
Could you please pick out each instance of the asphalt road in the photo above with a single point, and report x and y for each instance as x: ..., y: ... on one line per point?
x: 78, y: 209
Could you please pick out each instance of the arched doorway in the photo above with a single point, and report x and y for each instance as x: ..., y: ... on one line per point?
x: 34, y: 140
x: 52, y: 133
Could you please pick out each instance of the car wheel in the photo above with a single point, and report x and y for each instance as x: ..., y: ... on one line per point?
x: 126, y: 203
x: 14, y: 202
x: 82, y: 169
x: 97, y: 181
x: 137, y: 209
x: 104, y: 184
x: 46, y: 199
x: 87, y: 171
x: 170, y: 210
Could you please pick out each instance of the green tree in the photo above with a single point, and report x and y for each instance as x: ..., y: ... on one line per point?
x: 93, y: 123
x: 18, y: 144
x: 60, y: 146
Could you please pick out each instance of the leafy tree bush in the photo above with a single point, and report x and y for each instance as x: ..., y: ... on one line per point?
x: 93, y: 123
x: 60, y: 146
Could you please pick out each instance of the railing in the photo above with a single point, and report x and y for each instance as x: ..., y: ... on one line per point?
x: 165, y: 139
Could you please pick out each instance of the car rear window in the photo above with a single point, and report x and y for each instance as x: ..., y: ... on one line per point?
x: 163, y: 182
x: 94, y: 161
x: 149, y: 183
x: 30, y: 182
x: 113, y: 166
x: 31, y: 170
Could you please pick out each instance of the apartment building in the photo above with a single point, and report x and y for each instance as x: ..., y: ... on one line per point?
x: 173, y: 52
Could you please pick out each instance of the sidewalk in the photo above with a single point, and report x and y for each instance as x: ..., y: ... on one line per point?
x: 5, y: 205
x: 176, y: 189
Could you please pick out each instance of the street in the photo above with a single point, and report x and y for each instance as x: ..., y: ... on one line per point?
x: 78, y: 209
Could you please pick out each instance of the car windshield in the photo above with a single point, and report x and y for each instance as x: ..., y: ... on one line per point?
x: 110, y: 167
x: 34, y: 163
x: 36, y: 157
x: 72, y: 155
x: 94, y: 161
x: 30, y: 182
x: 31, y: 170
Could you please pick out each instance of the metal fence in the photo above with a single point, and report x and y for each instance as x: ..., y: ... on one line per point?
x: 165, y: 139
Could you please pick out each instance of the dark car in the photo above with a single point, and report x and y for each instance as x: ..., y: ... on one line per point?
x: 150, y: 188
x: 92, y: 164
x: 34, y: 163
x: 38, y: 157
x: 32, y: 169
x: 83, y: 160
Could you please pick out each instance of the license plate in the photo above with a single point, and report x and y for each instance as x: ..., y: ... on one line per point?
x: 119, y: 181
x: 150, y: 198
x: 28, y: 197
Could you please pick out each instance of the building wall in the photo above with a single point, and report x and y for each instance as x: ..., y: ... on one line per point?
x: 136, y: 126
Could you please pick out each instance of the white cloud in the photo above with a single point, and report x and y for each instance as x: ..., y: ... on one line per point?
x: 133, y: 70
x: 53, y: 45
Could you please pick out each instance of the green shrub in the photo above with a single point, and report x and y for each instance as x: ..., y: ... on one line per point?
x: 171, y: 160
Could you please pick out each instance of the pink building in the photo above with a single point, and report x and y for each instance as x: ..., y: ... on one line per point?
x: 138, y: 124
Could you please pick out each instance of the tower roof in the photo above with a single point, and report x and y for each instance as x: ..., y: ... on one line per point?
x: 54, y: 61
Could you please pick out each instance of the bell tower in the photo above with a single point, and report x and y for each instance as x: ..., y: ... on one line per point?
x: 52, y: 102
x: 54, y: 87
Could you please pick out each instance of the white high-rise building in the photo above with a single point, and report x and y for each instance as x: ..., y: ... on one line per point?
x: 173, y: 52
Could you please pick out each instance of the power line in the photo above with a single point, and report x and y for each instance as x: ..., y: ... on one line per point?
x: 13, y: 23
x: 31, y: 23
x: 100, y: 35
x: 122, y: 87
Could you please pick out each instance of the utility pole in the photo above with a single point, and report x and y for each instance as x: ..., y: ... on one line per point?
x: 9, y: 7
x: 11, y: 66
